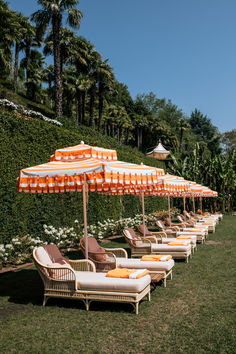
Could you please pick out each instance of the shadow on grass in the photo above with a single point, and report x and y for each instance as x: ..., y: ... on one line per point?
x: 22, y: 287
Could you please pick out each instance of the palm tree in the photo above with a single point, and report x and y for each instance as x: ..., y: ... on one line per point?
x: 36, y: 74
x: 105, y: 80
x: 52, y: 11
x: 49, y: 78
x: 21, y: 34
x: 8, y: 30
x: 182, y: 125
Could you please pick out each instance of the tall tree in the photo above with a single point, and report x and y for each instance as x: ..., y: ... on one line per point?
x: 52, y: 12
x: 8, y: 30
x: 205, y: 131
x: 182, y: 125
x: 105, y: 79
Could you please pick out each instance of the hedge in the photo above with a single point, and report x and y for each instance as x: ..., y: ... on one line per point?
x: 25, y: 143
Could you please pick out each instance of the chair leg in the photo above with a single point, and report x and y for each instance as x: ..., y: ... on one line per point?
x: 136, y: 308
x: 45, y: 299
x: 165, y: 282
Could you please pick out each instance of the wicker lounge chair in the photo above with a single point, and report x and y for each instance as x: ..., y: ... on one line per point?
x: 118, y: 258
x: 78, y: 280
x: 206, y: 220
x: 141, y: 246
x: 163, y: 237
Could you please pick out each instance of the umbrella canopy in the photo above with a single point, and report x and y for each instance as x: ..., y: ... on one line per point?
x: 83, y: 151
x: 55, y: 177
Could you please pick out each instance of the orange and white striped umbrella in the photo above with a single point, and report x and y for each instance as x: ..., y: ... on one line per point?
x: 83, y: 151
x: 55, y: 177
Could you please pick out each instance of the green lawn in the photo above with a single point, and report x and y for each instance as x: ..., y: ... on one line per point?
x: 194, y: 314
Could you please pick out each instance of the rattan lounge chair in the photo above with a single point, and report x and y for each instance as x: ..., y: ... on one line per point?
x: 78, y: 280
x: 199, y: 231
x: 205, y: 221
x: 110, y: 258
x: 162, y: 236
x: 141, y: 246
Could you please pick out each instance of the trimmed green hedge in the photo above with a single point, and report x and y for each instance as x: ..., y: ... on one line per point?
x: 25, y: 143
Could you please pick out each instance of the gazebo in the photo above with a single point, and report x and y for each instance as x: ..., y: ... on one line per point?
x: 159, y: 152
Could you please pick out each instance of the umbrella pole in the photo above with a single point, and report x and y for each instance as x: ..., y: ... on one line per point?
x: 201, y: 203
x: 169, y: 208
x: 193, y: 205
x: 85, y: 218
x: 184, y: 200
x: 144, y: 228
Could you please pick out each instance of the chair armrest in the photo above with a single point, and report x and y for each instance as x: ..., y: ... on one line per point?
x: 153, y: 239
x: 82, y: 265
x: 118, y: 252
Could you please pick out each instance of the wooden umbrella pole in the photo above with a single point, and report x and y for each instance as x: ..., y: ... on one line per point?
x: 184, y: 200
x: 143, y: 210
x: 194, y: 205
x: 85, y: 218
x: 169, y: 207
x: 201, y: 203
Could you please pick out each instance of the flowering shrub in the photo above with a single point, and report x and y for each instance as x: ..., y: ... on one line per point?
x: 19, y: 250
x: 64, y: 237
x: 29, y: 113
x: 161, y: 215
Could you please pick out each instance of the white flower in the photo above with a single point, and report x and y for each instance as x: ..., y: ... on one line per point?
x: 9, y: 246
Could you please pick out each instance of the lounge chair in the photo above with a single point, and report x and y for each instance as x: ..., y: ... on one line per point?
x: 198, y: 230
x: 110, y: 258
x: 78, y: 280
x: 205, y: 221
x: 142, y: 246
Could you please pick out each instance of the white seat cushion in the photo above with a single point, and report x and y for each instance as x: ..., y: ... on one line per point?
x: 150, y: 265
x: 99, y: 281
x: 168, y: 249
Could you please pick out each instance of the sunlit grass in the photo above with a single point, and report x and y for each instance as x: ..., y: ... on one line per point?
x: 194, y: 314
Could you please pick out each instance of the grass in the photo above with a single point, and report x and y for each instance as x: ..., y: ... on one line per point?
x: 194, y: 314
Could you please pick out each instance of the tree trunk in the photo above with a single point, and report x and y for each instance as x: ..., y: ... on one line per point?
x: 69, y: 103
x: 56, y: 27
x: 138, y: 142
x: 17, y: 50
x: 78, y: 107
x: 27, y: 55
x: 181, y: 139
x: 100, y: 106
x: 83, y: 94
x: 91, y: 105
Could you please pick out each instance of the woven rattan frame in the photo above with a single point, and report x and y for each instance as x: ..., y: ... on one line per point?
x: 145, y: 247
x: 68, y: 289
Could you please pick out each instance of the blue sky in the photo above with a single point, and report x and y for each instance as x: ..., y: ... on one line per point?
x: 183, y: 50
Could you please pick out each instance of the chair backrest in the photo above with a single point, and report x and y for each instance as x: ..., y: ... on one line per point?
x: 168, y: 221
x: 180, y: 218
x: 95, y: 251
x: 187, y: 214
x: 131, y: 234
x: 160, y: 224
x: 144, y: 230
x: 49, y: 254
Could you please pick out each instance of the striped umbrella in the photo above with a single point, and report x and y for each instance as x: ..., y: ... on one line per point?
x: 83, y: 174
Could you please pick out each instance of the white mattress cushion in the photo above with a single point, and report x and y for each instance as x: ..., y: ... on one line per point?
x: 193, y: 240
x: 99, y: 281
x: 168, y: 249
x: 150, y: 265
